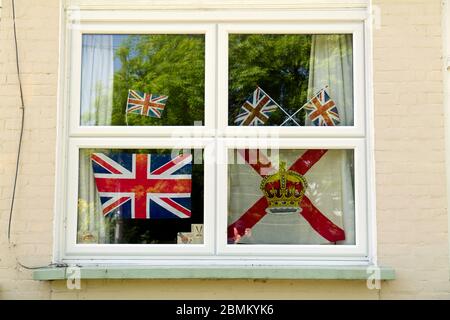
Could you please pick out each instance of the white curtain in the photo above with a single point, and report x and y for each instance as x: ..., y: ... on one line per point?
x: 331, y: 64
x: 97, y: 72
x: 93, y: 227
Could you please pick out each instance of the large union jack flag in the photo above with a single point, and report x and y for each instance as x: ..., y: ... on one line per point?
x: 322, y: 110
x: 144, y: 186
x: 256, y: 109
x: 147, y: 104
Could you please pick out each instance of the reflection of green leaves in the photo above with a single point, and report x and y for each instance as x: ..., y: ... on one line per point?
x: 171, y: 65
x: 279, y: 64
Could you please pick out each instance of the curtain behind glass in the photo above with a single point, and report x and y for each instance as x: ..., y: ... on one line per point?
x: 92, y: 225
x: 97, y: 72
x: 331, y: 65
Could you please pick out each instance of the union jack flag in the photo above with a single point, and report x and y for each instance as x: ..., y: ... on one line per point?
x: 256, y: 109
x: 146, y: 104
x: 322, y: 110
x: 144, y: 186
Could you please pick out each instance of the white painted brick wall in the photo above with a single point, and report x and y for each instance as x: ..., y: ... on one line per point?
x: 37, y: 24
x: 409, y: 124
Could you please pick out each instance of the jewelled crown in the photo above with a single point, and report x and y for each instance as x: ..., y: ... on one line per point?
x: 284, y: 191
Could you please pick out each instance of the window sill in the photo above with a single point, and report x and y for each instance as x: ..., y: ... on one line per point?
x: 235, y: 272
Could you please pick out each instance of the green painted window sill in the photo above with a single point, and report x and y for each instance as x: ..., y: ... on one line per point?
x: 232, y: 272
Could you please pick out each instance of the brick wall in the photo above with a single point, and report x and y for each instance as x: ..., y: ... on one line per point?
x: 410, y: 148
x: 410, y: 171
x: 37, y: 24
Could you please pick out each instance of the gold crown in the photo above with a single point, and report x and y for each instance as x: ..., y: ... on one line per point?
x: 284, y: 191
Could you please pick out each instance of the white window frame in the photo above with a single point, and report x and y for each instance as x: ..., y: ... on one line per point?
x: 76, y: 129
x: 303, y: 252
x: 78, y: 251
x: 215, y: 134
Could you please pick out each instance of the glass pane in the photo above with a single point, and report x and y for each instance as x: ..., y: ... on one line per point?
x: 290, y: 80
x: 142, y: 80
x: 291, y: 196
x: 140, y: 196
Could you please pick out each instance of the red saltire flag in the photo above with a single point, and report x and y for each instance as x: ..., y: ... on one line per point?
x: 318, y: 221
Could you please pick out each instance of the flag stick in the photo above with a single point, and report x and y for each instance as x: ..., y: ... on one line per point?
x: 126, y: 108
x: 290, y: 116
x: 279, y: 106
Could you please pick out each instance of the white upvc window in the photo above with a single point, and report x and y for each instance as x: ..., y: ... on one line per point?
x: 215, y: 137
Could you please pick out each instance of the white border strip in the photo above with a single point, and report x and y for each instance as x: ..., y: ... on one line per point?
x: 214, y: 4
x: 446, y: 83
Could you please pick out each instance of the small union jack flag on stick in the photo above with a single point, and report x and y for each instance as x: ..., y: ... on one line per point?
x: 146, y: 104
x: 256, y: 109
x: 320, y: 109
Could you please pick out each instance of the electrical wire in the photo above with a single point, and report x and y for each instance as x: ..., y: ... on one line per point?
x: 57, y: 265
x: 22, y: 108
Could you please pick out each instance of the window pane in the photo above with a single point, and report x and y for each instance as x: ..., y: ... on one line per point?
x: 140, y: 196
x: 142, y: 80
x: 291, y: 196
x: 290, y: 80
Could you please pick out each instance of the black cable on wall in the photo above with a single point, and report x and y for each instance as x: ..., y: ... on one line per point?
x: 22, y: 109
